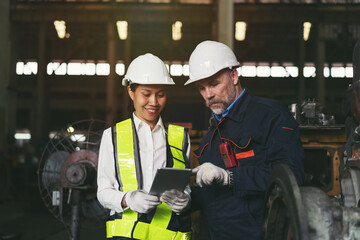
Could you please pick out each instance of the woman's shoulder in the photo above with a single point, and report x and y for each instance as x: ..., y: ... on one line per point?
x: 107, y: 131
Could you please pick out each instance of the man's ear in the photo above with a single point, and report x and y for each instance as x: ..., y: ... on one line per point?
x: 131, y: 93
x: 234, y: 76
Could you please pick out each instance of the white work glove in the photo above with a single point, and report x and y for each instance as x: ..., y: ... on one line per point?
x: 141, y: 202
x: 207, y: 174
x: 175, y: 199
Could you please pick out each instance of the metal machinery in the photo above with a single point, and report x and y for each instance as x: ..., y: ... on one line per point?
x: 327, y: 205
x: 324, y: 141
x: 67, y: 176
x: 324, y: 207
x: 305, y: 213
x: 351, y: 175
x: 315, y: 210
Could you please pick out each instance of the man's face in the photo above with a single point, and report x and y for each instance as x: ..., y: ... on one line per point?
x: 219, y: 91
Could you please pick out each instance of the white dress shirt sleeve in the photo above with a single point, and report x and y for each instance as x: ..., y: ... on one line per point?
x: 108, y: 192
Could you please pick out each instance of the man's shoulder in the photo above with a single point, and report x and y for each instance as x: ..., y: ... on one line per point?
x: 268, y: 104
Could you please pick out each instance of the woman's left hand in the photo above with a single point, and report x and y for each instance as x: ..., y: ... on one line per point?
x: 176, y: 200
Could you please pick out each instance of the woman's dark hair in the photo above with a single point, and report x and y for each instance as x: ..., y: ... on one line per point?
x: 131, y: 107
x: 133, y: 86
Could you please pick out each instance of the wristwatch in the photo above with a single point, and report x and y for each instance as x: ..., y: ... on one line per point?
x: 231, y: 177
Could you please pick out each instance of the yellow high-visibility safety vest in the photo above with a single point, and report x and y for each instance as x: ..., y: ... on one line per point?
x: 125, y: 152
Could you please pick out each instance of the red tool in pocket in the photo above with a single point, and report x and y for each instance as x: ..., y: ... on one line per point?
x: 227, y: 155
x: 226, y: 150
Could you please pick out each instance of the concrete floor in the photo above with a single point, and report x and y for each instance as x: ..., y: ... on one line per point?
x: 24, y: 216
x: 27, y: 218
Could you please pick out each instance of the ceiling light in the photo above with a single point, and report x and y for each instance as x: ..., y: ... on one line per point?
x: 60, y: 27
x: 306, y: 31
x: 122, y: 27
x: 240, y: 31
x: 176, y: 30
x: 22, y: 136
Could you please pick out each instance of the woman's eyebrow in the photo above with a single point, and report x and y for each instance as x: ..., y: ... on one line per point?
x: 149, y: 90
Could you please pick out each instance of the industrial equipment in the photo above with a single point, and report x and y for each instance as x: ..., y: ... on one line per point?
x: 350, y: 179
x: 311, y: 114
x: 327, y: 206
x: 324, y: 144
x: 324, y: 148
x: 305, y: 213
x: 67, y: 176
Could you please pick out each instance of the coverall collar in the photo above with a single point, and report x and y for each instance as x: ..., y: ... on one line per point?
x: 219, y: 117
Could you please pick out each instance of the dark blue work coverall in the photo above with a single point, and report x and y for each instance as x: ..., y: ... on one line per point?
x: 263, y: 133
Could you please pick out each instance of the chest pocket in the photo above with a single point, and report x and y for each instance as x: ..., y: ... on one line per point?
x: 243, y: 148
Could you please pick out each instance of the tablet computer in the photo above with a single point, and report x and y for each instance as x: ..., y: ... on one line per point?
x: 170, y: 178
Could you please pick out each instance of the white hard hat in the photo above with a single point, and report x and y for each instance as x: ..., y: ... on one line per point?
x: 208, y: 58
x: 147, y: 69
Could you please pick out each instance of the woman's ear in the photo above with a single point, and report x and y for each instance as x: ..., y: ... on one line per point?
x: 131, y: 93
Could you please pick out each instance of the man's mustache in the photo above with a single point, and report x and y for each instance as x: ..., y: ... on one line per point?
x: 212, y: 101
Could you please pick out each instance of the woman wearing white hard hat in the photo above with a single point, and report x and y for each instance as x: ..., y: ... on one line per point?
x: 130, y: 154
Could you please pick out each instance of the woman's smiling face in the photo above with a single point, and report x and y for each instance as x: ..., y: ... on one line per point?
x: 149, y: 101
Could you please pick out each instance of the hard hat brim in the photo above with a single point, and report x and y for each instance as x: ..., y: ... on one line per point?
x: 198, y: 79
x: 126, y: 82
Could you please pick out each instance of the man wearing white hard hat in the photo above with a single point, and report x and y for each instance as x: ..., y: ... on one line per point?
x: 248, y: 136
x: 130, y: 154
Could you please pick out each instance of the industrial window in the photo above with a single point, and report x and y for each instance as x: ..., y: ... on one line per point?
x: 278, y: 71
x: 309, y: 70
x: 57, y: 68
x: 186, y: 70
x: 263, y: 70
x: 176, y: 69
x: 26, y: 68
x: 102, y: 69
x: 247, y: 69
x: 120, y: 69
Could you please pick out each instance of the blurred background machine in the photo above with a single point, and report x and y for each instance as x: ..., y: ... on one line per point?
x: 327, y: 206
x: 350, y: 180
x: 324, y: 145
x: 67, y: 176
x: 305, y: 213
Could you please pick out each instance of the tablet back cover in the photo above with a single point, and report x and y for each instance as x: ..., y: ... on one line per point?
x: 170, y: 178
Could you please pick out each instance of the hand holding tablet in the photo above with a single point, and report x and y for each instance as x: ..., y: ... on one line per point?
x: 170, y: 178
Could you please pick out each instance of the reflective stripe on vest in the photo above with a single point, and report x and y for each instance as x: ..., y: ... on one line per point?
x: 157, y: 229
x: 175, y: 139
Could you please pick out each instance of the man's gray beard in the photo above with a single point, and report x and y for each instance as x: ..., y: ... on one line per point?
x: 218, y: 110
x: 224, y: 103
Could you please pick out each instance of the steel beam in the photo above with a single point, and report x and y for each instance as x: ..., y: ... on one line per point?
x: 135, y: 12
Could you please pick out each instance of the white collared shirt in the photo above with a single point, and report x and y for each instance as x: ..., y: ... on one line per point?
x: 152, y: 146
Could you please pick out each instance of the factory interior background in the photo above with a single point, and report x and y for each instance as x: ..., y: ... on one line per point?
x: 62, y: 62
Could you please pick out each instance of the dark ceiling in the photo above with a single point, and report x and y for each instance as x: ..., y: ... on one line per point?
x: 274, y: 34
